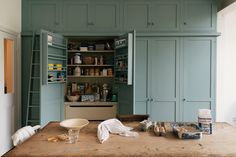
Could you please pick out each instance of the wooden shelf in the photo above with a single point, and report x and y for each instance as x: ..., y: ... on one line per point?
x: 88, y: 76
x: 89, y: 65
x: 94, y: 103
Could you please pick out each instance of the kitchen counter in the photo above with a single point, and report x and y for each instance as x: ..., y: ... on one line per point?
x: 221, y: 143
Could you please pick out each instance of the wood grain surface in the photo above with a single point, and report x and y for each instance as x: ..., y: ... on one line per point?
x: 222, y: 143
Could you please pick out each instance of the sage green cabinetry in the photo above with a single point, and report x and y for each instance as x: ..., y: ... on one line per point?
x: 197, y: 76
x: 199, y: 15
x: 152, y: 15
x: 156, y: 78
x: 174, y: 77
x: 90, y: 15
x: 40, y: 14
x: 75, y: 15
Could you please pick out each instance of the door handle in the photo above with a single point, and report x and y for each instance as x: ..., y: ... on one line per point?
x: 184, y: 99
x: 147, y: 99
x: 151, y: 99
x: 149, y: 23
x: 152, y: 23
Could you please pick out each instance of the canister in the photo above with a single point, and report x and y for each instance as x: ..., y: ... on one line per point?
x: 59, y: 66
x: 77, y: 58
x: 50, y: 66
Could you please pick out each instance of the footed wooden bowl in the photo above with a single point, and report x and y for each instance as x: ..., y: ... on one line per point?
x: 75, y: 124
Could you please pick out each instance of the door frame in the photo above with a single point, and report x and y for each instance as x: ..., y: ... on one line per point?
x: 16, y: 37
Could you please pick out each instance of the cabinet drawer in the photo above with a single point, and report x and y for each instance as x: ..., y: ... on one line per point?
x: 90, y: 112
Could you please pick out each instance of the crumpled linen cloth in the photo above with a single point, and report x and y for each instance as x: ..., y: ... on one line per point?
x: 113, y: 126
x: 23, y: 134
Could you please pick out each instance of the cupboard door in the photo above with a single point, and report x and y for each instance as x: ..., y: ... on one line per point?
x: 164, y: 79
x: 43, y: 14
x: 199, y: 15
x: 165, y: 15
x: 105, y: 15
x: 198, y: 76
x: 140, y: 76
x: 136, y: 16
x: 75, y: 15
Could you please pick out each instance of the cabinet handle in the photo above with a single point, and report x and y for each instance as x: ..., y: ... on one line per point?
x: 90, y: 23
x: 149, y: 23
x: 185, y: 23
x: 152, y: 23
x: 147, y: 99
x: 151, y: 99
x: 184, y: 99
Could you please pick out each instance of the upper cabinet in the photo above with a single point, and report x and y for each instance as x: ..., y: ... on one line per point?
x: 79, y: 16
x: 105, y: 15
x: 199, y: 15
x: 97, y: 17
x: 40, y: 14
x: 152, y: 16
x: 75, y: 15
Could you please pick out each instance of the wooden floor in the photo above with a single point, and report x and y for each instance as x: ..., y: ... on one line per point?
x: 221, y: 143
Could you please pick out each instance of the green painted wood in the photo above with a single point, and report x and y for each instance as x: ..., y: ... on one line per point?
x: 125, y: 99
x: 199, y: 15
x: 164, y: 78
x: 140, y: 76
x: 197, y: 76
x: 43, y: 14
x: 105, y: 15
x: 52, y: 103
x: 75, y: 15
x: 136, y: 14
x: 165, y: 15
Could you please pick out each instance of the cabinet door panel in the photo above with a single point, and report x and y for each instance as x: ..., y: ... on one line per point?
x: 163, y: 111
x: 75, y: 15
x: 140, y: 83
x: 197, y: 69
x: 199, y: 15
x: 197, y: 79
x: 190, y: 110
x: 106, y: 16
x: 164, y: 75
x: 165, y: 16
x: 136, y: 16
x: 43, y: 15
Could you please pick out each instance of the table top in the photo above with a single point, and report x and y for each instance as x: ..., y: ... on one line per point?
x: 221, y: 143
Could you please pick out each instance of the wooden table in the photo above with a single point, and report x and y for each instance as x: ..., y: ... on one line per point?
x: 221, y: 143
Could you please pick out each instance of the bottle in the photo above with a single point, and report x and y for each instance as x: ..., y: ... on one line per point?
x: 77, y: 71
x: 101, y: 60
x: 77, y: 58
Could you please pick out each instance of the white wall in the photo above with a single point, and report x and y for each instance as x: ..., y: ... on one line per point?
x: 10, y: 22
x: 10, y: 14
x: 226, y: 65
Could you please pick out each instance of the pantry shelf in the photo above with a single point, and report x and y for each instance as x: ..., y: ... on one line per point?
x: 84, y: 65
x: 86, y: 76
x: 91, y: 51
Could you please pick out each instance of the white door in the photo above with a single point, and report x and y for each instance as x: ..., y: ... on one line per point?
x: 8, y: 90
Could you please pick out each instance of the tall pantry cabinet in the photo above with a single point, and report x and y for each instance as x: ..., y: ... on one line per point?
x: 174, y: 77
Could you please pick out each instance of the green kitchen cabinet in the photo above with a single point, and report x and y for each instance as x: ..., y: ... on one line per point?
x: 105, y: 15
x: 199, y: 15
x: 140, y: 76
x: 174, y: 77
x: 163, y: 79
x: 41, y: 14
x: 156, y: 78
x: 91, y: 15
x: 152, y: 16
x: 197, y: 76
x: 75, y: 15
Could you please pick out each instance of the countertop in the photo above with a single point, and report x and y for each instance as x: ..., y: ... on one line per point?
x: 221, y: 143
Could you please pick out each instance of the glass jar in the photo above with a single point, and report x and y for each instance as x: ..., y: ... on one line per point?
x: 77, y: 58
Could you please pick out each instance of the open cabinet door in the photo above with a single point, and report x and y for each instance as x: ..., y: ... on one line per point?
x: 123, y: 60
x: 53, y: 76
x: 124, y: 52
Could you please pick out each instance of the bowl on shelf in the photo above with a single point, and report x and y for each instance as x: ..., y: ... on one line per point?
x: 88, y: 60
x: 75, y: 124
x: 73, y: 98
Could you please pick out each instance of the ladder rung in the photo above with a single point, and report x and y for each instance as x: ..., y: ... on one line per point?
x: 33, y: 106
x: 34, y: 92
x: 33, y: 120
x: 35, y: 77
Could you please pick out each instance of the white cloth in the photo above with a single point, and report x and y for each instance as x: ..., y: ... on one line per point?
x: 23, y: 134
x: 113, y: 126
